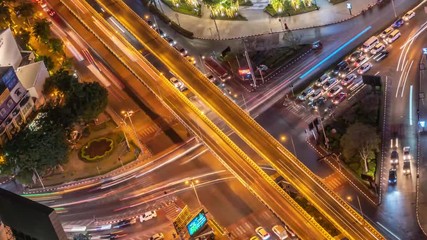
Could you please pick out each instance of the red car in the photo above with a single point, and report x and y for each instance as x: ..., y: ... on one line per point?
x: 339, y: 98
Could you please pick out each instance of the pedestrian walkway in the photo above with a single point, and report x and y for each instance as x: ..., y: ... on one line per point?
x: 258, y: 22
x: 334, y: 181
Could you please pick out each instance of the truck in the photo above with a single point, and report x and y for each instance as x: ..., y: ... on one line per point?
x: 217, y: 69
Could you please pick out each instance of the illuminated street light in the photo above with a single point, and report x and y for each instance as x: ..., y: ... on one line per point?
x: 193, y: 183
x: 283, y: 139
x: 128, y: 114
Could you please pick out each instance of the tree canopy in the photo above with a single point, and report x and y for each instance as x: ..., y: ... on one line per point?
x: 38, y: 147
x: 41, y: 30
x: 360, y: 140
x: 81, y: 101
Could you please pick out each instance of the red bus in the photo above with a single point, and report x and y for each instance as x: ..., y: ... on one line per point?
x: 217, y: 69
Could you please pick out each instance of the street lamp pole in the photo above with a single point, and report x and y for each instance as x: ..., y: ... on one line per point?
x: 193, y: 185
x: 360, y: 206
x: 394, y: 8
x: 129, y: 114
x: 217, y: 30
x: 40, y: 179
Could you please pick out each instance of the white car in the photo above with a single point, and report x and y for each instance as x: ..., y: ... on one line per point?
x: 280, y: 232
x: 262, y: 233
x: 408, y: 15
x: 330, y: 84
x: 178, y: 84
x: 157, y: 236
x: 147, y: 216
x: 334, y: 91
x: 378, y: 48
x: 348, y: 79
x: 306, y: 93
x: 364, y: 68
x: 406, y: 154
x: 316, y: 94
x: 386, y: 32
x: 322, y: 80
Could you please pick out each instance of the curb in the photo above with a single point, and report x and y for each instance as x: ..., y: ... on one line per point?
x: 296, y: 29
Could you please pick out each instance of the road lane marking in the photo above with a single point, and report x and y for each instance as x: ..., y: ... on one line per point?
x: 400, y: 79
x: 394, y: 235
x: 406, y: 78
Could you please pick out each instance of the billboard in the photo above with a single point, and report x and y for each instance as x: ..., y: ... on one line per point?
x: 197, y: 223
x: 9, y: 78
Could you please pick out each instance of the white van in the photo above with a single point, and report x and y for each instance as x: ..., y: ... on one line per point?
x: 370, y: 43
x: 280, y: 232
x: 393, y: 36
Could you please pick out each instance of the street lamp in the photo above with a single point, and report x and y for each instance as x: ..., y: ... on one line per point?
x: 128, y: 114
x: 283, y: 139
x: 193, y: 183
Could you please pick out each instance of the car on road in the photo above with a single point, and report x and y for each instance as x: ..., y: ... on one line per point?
x: 406, y: 153
x: 364, y: 68
x: 254, y: 238
x: 406, y: 167
x: 354, y: 56
x: 341, y: 69
x: 378, y: 48
x: 361, y: 60
x: 157, y: 236
x: 147, y: 216
x: 348, y: 79
x: 191, y: 59
x: 262, y: 233
x: 393, y: 36
x: 408, y: 16
x: 394, y: 157
x: 211, y: 77
x: 280, y: 232
x: 334, y: 91
x: 339, y: 98
x: 170, y: 41
x: 178, y: 84
x: 330, y: 84
x: 51, y: 12
x: 322, y: 80
x: 160, y: 32
x: 384, y: 34
x: 398, y: 23
x: 124, y: 223
x: 380, y: 56
x: 317, y: 103
x: 181, y: 50
x: 316, y: 94
x: 392, y: 176
x: 306, y: 93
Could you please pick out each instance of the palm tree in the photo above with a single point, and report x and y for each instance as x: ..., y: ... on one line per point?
x: 4, y: 15
x: 25, y: 10
x: 41, y: 30
x: 56, y: 45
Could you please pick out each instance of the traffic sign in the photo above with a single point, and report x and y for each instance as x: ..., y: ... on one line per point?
x: 425, y: 51
x: 349, y: 5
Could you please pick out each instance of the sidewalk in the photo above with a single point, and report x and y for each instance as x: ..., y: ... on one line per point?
x: 260, y: 22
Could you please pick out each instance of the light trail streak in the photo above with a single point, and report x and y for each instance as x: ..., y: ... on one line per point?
x: 335, y: 52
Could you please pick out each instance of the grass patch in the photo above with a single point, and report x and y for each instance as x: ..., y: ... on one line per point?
x: 238, y: 17
x: 245, y: 3
x: 184, y: 8
x: 289, y: 12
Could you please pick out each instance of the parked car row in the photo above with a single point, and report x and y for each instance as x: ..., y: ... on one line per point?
x: 282, y: 232
x: 343, y: 78
x: 395, y: 161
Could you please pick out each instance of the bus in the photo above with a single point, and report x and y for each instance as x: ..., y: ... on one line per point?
x: 217, y: 69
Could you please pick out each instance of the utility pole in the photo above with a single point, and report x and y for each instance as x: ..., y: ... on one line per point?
x: 38, y: 176
x: 394, y: 8
x: 217, y: 30
x: 249, y: 64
